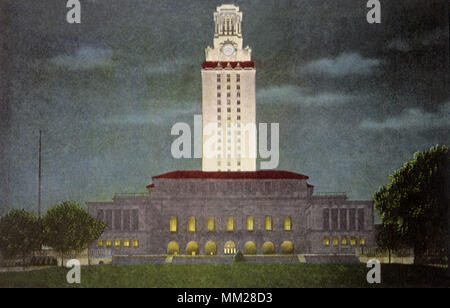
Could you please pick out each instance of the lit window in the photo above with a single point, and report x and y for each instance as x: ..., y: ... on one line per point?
x: 192, y: 225
x: 230, y: 224
x: 126, y: 243
x: 136, y: 243
x: 344, y: 241
x: 353, y: 241
x: 100, y: 243
x: 109, y: 244
x: 211, y: 225
x: 173, y: 224
x: 269, y: 224
x: 250, y: 222
x: 288, y: 224
x: 326, y: 241
x: 362, y: 242
x: 335, y: 241
x: 118, y: 244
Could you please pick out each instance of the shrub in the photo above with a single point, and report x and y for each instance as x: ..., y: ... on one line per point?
x: 239, y: 257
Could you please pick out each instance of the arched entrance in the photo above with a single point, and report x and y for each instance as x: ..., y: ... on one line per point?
x: 268, y: 248
x: 230, y: 248
x: 173, y: 248
x: 287, y: 248
x: 210, y: 248
x: 250, y: 248
x: 192, y: 249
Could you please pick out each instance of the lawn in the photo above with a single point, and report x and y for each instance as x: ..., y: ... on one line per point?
x: 231, y: 276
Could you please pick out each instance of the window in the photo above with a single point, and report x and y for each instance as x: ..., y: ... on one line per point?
x: 126, y: 220
x: 335, y: 241
x: 173, y: 224
x: 239, y: 110
x: 135, y: 220
x: 344, y: 241
x: 108, y: 215
x: 100, y: 243
x: 230, y: 224
x: 238, y: 94
x: 334, y: 219
x: 269, y: 223
x: 250, y: 224
x: 118, y: 244
x: 218, y: 117
x: 136, y: 243
x: 192, y: 225
x: 238, y: 87
x: 326, y: 219
x: 219, y: 110
x: 288, y: 224
x: 218, y: 94
x: 352, y: 219
x: 238, y: 78
x: 238, y: 102
x: 108, y: 244
x: 362, y: 242
x: 126, y: 243
x: 218, y: 87
x: 238, y: 117
x: 211, y: 225
x: 228, y: 109
x: 360, y: 219
x: 326, y: 241
x: 343, y: 219
x: 218, y: 102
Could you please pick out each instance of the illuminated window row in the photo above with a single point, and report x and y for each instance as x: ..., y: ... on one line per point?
x: 230, y: 226
x: 118, y: 243
x: 344, y: 241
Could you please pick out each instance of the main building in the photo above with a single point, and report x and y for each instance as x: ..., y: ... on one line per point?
x: 229, y: 205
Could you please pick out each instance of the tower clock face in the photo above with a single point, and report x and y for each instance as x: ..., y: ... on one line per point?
x: 228, y: 50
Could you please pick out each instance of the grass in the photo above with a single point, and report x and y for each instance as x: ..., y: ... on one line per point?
x: 231, y: 276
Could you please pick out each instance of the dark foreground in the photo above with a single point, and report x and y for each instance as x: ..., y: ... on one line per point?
x: 232, y: 276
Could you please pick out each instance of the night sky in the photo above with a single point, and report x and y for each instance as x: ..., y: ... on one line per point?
x: 354, y: 100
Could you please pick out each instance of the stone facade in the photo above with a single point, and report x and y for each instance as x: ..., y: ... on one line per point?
x: 278, y: 200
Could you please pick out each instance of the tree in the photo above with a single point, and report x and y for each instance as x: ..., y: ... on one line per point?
x: 413, y: 206
x: 69, y: 228
x: 20, y: 234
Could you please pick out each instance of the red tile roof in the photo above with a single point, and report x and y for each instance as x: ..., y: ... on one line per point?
x: 212, y: 65
x: 260, y: 174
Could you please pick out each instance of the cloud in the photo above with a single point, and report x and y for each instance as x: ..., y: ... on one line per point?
x: 84, y: 58
x: 165, y: 67
x: 157, y: 117
x: 343, y: 65
x: 399, y: 45
x: 298, y: 95
x: 413, y: 118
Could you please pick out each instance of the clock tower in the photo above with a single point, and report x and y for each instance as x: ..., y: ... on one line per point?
x: 228, y: 97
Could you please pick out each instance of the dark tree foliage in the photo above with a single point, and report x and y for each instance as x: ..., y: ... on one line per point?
x: 413, y: 206
x: 20, y: 234
x: 69, y: 228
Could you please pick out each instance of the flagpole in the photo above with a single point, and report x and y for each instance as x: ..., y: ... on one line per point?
x: 39, y: 176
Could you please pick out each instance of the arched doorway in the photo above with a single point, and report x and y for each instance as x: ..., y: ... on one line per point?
x: 173, y: 248
x: 192, y: 249
x: 268, y: 248
x: 210, y: 248
x: 287, y: 248
x: 250, y: 248
x: 230, y: 248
